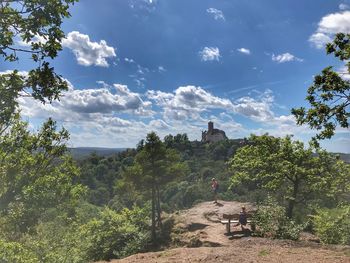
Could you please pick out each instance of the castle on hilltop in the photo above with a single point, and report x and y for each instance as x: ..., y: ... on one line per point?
x: 213, y: 135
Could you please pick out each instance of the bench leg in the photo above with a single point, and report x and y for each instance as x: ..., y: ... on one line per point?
x: 253, y: 227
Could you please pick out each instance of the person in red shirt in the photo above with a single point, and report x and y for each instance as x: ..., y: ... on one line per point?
x: 215, y: 188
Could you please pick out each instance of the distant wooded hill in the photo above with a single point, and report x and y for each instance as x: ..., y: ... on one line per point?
x: 82, y: 152
x: 344, y: 156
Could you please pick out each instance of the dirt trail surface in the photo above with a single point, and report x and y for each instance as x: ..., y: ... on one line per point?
x: 202, y: 223
x: 203, y: 239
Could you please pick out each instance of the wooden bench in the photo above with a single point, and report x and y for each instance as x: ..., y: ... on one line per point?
x: 233, y: 218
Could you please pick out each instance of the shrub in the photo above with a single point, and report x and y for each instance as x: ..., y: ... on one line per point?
x: 116, y: 235
x: 56, y: 241
x: 15, y: 252
x: 166, y: 230
x: 271, y: 221
x: 332, y: 226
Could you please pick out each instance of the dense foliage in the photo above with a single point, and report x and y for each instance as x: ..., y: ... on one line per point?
x: 333, y: 225
x: 101, y: 219
x: 329, y: 96
x: 154, y: 166
x: 115, y: 180
x: 55, y: 209
x: 36, y: 25
x: 293, y: 174
x: 116, y: 235
x: 271, y: 221
x: 35, y: 174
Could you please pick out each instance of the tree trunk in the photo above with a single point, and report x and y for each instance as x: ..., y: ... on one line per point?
x: 159, y: 212
x: 292, y: 201
x: 153, y: 216
x: 6, y: 198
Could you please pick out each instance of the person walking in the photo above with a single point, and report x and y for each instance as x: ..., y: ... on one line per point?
x: 215, y: 188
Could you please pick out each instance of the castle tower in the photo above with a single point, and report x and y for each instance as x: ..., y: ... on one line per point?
x: 210, y: 127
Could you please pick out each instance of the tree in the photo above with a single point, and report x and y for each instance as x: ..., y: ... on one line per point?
x: 286, y: 169
x: 115, y: 235
x: 154, y: 166
x: 179, y: 142
x: 329, y: 96
x: 35, y: 173
x: 36, y: 23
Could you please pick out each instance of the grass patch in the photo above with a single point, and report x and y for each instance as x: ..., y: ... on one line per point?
x: 263, y: 253
x: 165, y: 254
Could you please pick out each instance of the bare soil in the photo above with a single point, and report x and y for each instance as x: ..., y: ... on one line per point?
x: 202, y: 238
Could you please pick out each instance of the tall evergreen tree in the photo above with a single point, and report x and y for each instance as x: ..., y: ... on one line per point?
x: 154, y: 167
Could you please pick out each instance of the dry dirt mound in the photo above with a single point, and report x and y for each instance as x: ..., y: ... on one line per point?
x: 200, y: 227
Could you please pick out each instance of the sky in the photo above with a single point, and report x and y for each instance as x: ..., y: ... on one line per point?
x: 170, y: 66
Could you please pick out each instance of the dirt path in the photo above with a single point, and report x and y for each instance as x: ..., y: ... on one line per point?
x: 255, y: 251
x: 203, y: 222
x: 200, y: 227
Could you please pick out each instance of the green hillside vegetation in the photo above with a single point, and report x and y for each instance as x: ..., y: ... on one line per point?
x: 108, y: 178
x: 54, y: 208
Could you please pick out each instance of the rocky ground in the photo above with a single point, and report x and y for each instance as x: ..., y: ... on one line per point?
x: 203, y: 239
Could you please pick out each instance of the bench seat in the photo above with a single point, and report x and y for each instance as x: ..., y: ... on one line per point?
x: 232, y: 218
x: 233, y: 221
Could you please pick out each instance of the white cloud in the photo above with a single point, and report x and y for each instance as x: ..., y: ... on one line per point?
x: 143, y: 5
x: 105, y: 117
x: 159, y: 124
x: 286, y: 57
x: 21, y: 73
x: 85, y: 105
x: 216, y: 13
x: 329, y: 26
x: 87, y: 52
x: 110, y: 116
x: 161, y: 69
x: 191, y: 104
x: 25, y: 74
x: 319, y: 39
x: 344, y: 72
x: 210, y: 54
x: 129, y: 60
x: 36, y: 39
x: 334, y: 23
x: 187, y: 102
x: 343, y: 6
x: 244, y: 50
x: 255, y: 109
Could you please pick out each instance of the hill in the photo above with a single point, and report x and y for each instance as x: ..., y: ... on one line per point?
x: 202, y: 239
x: 83, y: 152
x: 344, y: 156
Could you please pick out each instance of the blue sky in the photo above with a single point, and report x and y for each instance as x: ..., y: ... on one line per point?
x: 172, y: 65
